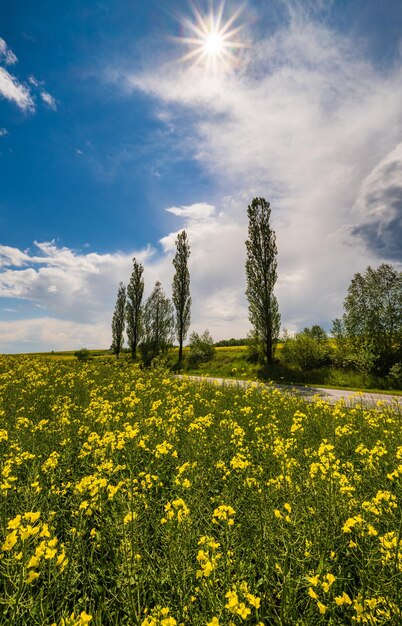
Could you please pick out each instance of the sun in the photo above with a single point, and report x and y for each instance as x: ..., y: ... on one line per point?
x: 212, y: 42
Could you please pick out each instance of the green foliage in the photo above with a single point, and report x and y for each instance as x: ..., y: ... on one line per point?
x: 82, y: 354
x: 308, y: 350
x: 135, y: 292
x: 372, y: 321
x: 201, y: 348
x: 395, y: 375
x: 181, y: 290
x: 261, y: 276
x: 158, y: 325
x: 223, y: 343
x: 119, y: 321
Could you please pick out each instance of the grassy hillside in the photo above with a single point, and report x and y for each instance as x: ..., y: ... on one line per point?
x: 234, y: 362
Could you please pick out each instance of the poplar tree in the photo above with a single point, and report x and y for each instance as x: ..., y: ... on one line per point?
x: 181, y: 290
x: 118, y: 321
x: 158, y: 324
x: 135, y: 292
x: 261, y: 265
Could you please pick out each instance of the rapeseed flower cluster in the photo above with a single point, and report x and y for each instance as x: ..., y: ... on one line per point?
x: 147, y: 499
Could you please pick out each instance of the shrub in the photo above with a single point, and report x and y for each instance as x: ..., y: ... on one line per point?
x: 395, y: 375
x: 82, y: 354
x: 201, y: 348
x: 308, y: 349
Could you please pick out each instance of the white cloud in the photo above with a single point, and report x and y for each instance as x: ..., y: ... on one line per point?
x: 378, y: 208
x: 12, y: 89
x: 200, y: 211
x: 6, y: 55
x: 48, y: 333
x: 49, y: 100
x: 3, y: 132
x: 34, y: 81
x: 303, y: 124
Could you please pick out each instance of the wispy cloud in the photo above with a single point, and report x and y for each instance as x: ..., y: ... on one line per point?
x: 3, y: 132
x: 13, y: 90
x: 6, y: 55
x: 49, y: 100
x: 305, y: 122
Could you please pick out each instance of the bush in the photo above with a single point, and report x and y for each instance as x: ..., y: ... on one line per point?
x: 395, y: 376
x: 308, y: 349
x: 83, y: 354
x: 201, y: 348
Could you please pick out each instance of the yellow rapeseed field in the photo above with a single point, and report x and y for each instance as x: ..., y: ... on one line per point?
x: 128, y: 497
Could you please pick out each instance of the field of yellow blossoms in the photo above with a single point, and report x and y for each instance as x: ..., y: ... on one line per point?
x: 129, y: 497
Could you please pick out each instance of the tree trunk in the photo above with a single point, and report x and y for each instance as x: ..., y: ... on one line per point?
x: 180, y: 351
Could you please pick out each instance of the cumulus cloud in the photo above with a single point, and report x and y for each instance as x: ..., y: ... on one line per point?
x: 378, y: 208
x: 303, y: 123
x: 48, y: 333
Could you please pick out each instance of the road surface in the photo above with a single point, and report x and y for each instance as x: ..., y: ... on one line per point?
x: 309, y: 392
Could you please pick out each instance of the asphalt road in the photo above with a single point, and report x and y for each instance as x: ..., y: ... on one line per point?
x: 308, y: 392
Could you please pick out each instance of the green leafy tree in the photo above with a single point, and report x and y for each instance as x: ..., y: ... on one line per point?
x: 261, y: 265
x: 158, y: 325
x: 135, y: 292
x: 308, y: 349
x: 181, y: 290
x: 201, y: 348
x: 118, y: 321
x: 370, y: 330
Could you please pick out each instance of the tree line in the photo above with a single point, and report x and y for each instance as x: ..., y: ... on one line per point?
x: 152, y: 327
x: 367, y: 337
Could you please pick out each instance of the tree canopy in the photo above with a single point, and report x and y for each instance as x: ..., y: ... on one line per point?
x: 261, y: 265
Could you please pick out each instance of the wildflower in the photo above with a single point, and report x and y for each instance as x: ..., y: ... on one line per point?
x: 31, y: 577
x: 10, y: 541
x: 321, y: 607
x: 343, y: 599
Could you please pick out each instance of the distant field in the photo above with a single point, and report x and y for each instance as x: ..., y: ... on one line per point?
x: 129, y: 497
x: 234, y: 362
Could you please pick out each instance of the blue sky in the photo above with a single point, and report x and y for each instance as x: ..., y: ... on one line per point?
x: 109, y: 145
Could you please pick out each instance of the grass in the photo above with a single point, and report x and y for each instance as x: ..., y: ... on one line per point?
x: 129, y: 497
x: 233, y: 362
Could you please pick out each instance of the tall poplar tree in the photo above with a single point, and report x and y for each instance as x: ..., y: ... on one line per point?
x: 181, y: 290
x: 261, y: 276
x: 135, y: 292
x: 118, y: 321
x: 158, y: 325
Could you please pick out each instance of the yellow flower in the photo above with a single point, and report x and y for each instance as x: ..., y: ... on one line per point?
x: 321, y: 607
x: 45, y: 531
x: 214, y: 622
x: 32, y: 517
x: 31, y: 577
x: 243, y: 610
x: 343, y: 599
x: 14, y: 523
x: 34, y: 561
x: 10, y: 541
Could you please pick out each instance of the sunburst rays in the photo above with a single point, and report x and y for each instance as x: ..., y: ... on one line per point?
x: 212, y: 41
